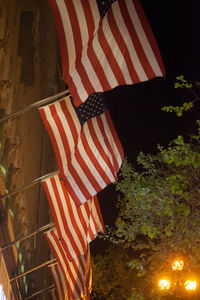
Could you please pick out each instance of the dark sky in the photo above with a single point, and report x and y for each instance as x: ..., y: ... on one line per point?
x: 136, y: 110
x: 176, y: 27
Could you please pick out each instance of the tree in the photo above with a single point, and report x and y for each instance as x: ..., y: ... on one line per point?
x: 112, y: 277
x: 159, y: 206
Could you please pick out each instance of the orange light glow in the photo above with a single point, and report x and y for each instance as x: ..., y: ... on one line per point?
x: 178, y: 265
x: 164, y: 284
x: 190, y: 285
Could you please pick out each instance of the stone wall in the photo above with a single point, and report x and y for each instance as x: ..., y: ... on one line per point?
x: 28, y: 64
x: 4, y: 276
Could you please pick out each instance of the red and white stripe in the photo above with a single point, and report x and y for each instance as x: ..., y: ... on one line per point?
x: 88, y: 157
x: 77, y: 273
x: 60, y: 291
x: 53, y: 294
x: 76, y: 225
x: 100, y: 54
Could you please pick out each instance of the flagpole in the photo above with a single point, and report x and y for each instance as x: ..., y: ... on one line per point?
x: 40, y: 292
x: 25, y: 186
x: 34, y: 269
x: 36, y: 104
x: 28, y: 236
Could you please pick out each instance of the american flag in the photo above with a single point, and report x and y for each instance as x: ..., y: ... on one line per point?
x: 60, y: 291
x: 53, y: 295
x: 77, y: 273
x: 76, y: 225
x: 88, y: 156
x: 101, y: 50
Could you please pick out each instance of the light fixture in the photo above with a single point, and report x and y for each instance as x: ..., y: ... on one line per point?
x: 178, y: 265
x: 164, y: 284
x: 190, y: 285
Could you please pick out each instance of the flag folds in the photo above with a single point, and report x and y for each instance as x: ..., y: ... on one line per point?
x: 76, y: 225
x: 77, y: 273
x: 98, y: 52
x: 53, y: 295
x: 88, y: 156
x: 103, y: 44
x: 60, y: 291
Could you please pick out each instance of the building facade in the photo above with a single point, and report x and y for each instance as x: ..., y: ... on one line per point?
x: 29, y: 63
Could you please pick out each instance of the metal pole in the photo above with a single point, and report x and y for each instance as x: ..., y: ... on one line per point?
x: 35, y: 181
x: 60, y: 73
x: 34, y: 269
x: 28, y: 236
x: 36, y: 104
x: 40, y: 292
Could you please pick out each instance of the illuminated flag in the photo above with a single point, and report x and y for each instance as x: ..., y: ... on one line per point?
x: 60, y: 291
x: 77, y: 273
x: 101, y: 50
x: 53, y: 294
x: 76, y: 225
x: 89, y: 156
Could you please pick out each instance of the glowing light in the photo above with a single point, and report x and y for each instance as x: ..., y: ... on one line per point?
x: 178, y: 265
x: 164, y: 284
x: 190, y: 285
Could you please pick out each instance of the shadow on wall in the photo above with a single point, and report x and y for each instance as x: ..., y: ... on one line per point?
x: 25, y: 48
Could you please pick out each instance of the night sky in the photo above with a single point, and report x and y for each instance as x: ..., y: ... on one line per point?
x: 136, y: 110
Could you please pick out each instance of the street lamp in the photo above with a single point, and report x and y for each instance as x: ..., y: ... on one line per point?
x: 178, y: 282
